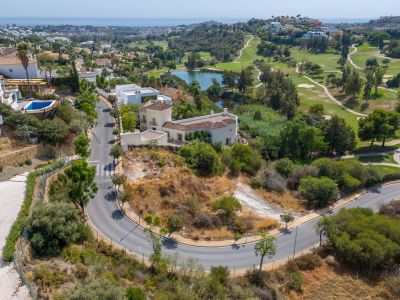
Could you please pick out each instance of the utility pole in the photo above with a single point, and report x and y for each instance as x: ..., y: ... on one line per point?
x: 295, y: 241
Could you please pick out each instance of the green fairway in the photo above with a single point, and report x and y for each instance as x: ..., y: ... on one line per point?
x: 327, y: 61
x: 313, y: 94
x: 366, y: 51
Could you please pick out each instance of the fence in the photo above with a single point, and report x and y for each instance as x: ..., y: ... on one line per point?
x: 40, y: 187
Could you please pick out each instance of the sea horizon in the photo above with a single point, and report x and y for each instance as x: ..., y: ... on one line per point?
x: 144, y: 22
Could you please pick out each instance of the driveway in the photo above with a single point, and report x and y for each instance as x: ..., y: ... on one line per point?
x: 11, y: 198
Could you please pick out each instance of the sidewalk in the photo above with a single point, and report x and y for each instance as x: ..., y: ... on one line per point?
x: 11, y: 198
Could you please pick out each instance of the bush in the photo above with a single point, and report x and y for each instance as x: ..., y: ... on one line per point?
x: 319, y: 192
x: 54, y: 226
x: 272, y: 181
x: 299, y: 173
x: 229, y: 205
x: 255, y: 183
x: 1, y: 168
x: 308, y: 262
x: 220, y: 274
x: 28, y: 162
x: 47, y: 277
x: 202, y: 220
x: 350, y: 184
x: 202, y: 158
x: 284, y: 167
x: 249, y: 160
x: 135, y: 293
x: 391, y: 209
x: 295, y: 282
x: 363, y: 239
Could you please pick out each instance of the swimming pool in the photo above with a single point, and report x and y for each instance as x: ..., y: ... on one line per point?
x: 38, y: 105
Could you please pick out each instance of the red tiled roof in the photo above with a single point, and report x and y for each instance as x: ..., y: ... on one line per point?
x: 158, y: 105
x: 202, y: 124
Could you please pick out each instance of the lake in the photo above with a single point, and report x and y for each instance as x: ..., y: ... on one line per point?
x: 204, y: 78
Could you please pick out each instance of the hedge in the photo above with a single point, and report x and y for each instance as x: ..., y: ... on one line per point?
x: 18, y: 227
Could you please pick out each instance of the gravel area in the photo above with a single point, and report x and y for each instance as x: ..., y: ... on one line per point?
x: 11, y: 197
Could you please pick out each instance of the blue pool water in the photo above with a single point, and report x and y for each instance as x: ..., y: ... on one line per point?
x: 39, y: 105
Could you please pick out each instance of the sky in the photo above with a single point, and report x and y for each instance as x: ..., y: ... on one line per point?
x: 208, y: 9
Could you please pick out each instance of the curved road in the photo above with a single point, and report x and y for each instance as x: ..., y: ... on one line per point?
x: 105, y: 214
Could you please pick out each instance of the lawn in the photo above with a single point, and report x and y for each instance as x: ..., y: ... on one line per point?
x: 327, y: 61
x: 366, y: 51
x: 315, y: 95
x: 388, y: 158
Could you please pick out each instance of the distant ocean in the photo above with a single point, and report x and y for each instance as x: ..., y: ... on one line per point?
x: 130, y: 22
x: 140, y: 22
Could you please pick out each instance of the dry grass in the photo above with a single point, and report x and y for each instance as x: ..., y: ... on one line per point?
x: 328, y: 283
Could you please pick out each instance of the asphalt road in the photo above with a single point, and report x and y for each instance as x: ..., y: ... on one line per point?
x: 105, y: 214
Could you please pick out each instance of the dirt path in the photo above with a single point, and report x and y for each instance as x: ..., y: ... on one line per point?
x: 11, y: 198
x: 349, y: 57
x: 237, y: 60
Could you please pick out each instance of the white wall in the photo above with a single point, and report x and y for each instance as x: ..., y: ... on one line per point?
x: 18, y: 71
x: 160, y: 117
x: 137, y: 139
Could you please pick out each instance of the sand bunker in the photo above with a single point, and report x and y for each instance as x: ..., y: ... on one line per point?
x: 306, y: 86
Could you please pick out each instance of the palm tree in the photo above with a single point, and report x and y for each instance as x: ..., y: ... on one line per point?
x: 265, y: 247
x: 23, y: 55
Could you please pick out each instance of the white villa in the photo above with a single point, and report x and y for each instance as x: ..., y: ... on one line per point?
x: 133, y: 94
x: 11, y: 67
x: 157, y: 127
x: 9, y: 95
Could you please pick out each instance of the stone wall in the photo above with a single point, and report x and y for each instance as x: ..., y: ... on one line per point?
x: 21, y: 155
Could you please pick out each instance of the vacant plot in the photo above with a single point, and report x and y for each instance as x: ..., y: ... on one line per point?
x: 160, y: 184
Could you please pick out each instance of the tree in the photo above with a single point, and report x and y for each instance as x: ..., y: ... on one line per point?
x: 338, y: 136
x: 118, y: 180
x: 321, y: 227
x: 369, y: 83
x: 284, y: 166
x: 135, y: 293
x: 245, y: 80
x: 379, y: 72
x: 116, y: 152
x: 265, y: 247
x: 229, y: 79
x: 194, y: 88
x: 353, y: 84
x: 53, y: 131
x: 82, y: 147
x: 319, y: 192
x: 215, y: 90
x: 23, y: 56
x: 124, y: 197
x: 83, y: 187
x: 287, y: 218
x: 74, y: 78
x: 174, y: 224
x: 54, y: 226
x: 378, y: 125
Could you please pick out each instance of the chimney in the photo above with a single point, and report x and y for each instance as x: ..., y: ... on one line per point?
x: 225, y: 111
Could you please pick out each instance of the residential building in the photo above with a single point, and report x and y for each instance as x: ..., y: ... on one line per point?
x: 274, y: 27
x: 154, y: 114
x: 222, y: 127
x: 103, y: 62
x: 11, y: 66
x: 9, y: 95
x: 134, y: 94
x: 315, y: 35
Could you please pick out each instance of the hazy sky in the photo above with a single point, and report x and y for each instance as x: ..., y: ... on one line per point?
x: 198, y: 8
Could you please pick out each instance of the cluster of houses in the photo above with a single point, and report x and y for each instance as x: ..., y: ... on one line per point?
x: 158, y: 128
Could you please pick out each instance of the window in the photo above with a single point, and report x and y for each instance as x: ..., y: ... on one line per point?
x: 180, y: 137
x: 228, y: 141
x: 11, y: 70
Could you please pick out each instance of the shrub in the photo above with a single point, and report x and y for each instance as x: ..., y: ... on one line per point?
x: 272, y: 181
x: 135, y: 293
x: 391, y: 209
x: 319, y: 192
x: 249, y: 160
x: 284, y: 167
x: 47, y: 277
x: 202, y: 220
x: 220, y: 274
x: 1, y: 168
x: 202, y: 158
x: 350, y: 184
x: 295, y: 282
x: 255, y: 183
x: 28, y: 162
x: 308, y: 262
x: 299, y: 173
x: 363, y: 239
x: 54, y: 226
x: 228, y: 204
